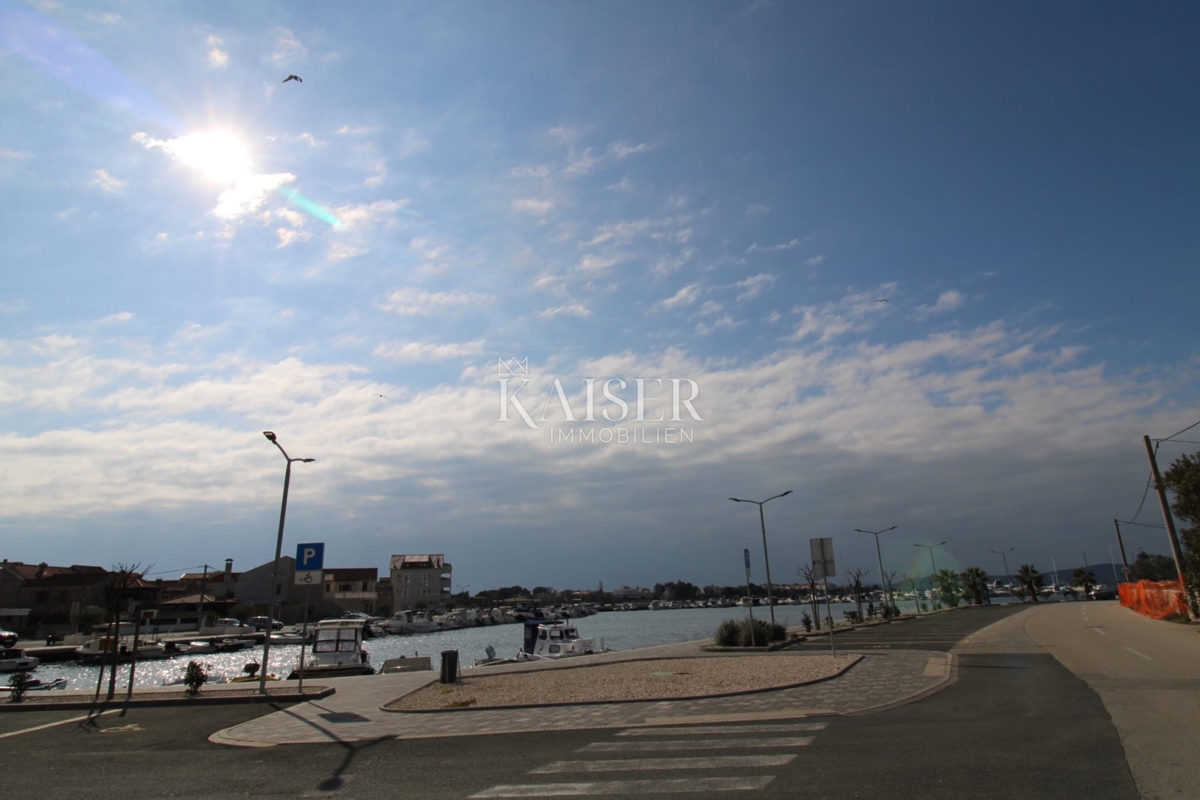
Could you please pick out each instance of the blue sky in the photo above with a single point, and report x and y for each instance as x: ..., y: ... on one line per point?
x: 711, y: 192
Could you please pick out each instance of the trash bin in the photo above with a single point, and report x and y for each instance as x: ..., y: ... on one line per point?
x: 449, y: 666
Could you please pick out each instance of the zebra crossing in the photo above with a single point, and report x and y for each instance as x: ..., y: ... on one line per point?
x: 661, y: 750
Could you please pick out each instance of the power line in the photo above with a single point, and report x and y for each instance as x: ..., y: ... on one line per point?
x: 181, y: 569
x: 1145, y: 492
x: 1142, y: 524
x: 1173, y: 435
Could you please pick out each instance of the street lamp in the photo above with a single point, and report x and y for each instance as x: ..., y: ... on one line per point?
x: 887, y: 585
x: 287, y: 479
x: 932, y: 575
x: 762, y: 522
x: 1004, y: 556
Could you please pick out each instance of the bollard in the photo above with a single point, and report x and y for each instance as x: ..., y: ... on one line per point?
x: 449, y: 666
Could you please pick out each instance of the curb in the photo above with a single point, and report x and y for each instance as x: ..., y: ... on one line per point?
x: 857, y: 658
x: 153, y: 702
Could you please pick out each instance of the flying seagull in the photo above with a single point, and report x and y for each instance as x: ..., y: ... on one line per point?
x: 293, y: 78
x: 881, y: 300
x: 384, y: 396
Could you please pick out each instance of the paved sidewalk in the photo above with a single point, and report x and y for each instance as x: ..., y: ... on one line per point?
x: 354, y: 713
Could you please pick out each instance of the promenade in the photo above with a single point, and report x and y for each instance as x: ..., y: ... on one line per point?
x: 359, y: 711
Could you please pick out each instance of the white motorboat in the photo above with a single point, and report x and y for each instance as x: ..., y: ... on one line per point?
x: 13, y: 658
x: 554, y: 640
x: 337, y: 650
x: 406, y: 622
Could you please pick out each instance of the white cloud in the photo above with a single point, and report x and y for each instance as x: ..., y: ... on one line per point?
x: 722, y: 323
x: 668, y: 265
x: 540, y: 171
x: 120, y: 316
x: 417, y: 301
x: 563, y: 134
x: 378, y: 174
x: 341, y: 250
x: 623, y: 185
x: 850, y: 314
x: 428, y: 351
x: 106, y: 182
x: 363, y: 216
x: 15, y: 155
x: 292, y: 217
x: 312, y: 140
x: 249, y: 194
x: 757, y: 210
x: 947, y: 301
x: 358, y: 130
x: 758, y: 248
x: 754, y: 286
x: 570, y: 310
x: 411, y: 143
x: 581, y: 164
x: 709, y: 308
x: 619, y: 150
x: 217, y: 58
x: 533, y: 205
x: 288, y: 49
x: 686, y: 296
x: 596, y: 264
x: 105, y: 18
x: 161, y: 236
x: 291, y: 236
x: 815, y: 261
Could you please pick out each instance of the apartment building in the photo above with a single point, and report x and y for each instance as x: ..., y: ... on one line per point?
x: 420, y: 581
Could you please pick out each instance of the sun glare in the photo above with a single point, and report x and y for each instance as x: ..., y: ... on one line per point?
x: 219, y: 155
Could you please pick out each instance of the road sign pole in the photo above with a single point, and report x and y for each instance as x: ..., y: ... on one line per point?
x: 749, y: 597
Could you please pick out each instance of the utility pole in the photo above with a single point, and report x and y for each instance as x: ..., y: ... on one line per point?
x: 203, y: 586
x: 1170, y: 522
x: 1121, y: 544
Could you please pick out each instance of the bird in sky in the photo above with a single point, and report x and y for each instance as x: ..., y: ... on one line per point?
x: 384, y: 396
x: 881, y: 300
x: 296, y: 78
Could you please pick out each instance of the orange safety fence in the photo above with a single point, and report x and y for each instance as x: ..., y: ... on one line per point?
x: 1154, y: 599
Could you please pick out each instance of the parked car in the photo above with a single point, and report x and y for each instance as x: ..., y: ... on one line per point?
x: 262, y: 623
x: 228, y: 622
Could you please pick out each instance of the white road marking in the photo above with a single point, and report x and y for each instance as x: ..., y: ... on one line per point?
x: 1136, y: 653
x: 1100, y: 631
x: 49, y: 725
x: 695, y: 744
x: 627, y: 788
x: 703, y: 729
x: 638, y: 764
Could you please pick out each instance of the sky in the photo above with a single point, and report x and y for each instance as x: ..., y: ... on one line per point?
x: 925, y: 265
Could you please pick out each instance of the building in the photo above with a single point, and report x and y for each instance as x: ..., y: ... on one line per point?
x: 420, y: 582
x: 353, y: 589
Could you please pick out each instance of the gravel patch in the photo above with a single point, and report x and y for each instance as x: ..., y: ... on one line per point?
x: 658, y: 679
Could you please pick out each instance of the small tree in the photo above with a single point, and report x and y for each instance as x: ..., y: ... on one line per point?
x: 810, y: 578
x: 974, y: 585
x: 1030, y: 580
x: 1084, y: 578
x: 18, y: 684
x: 194, y: 677
x: 949, y: 588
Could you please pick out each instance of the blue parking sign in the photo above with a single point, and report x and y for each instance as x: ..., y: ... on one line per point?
x: 310, y: 556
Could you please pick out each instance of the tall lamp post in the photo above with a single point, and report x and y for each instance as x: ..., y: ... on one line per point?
x: 287, y: 479
x: 883, y: 581
x: 763, y: 523
x: 933, y: 563
x: 1004, y: 557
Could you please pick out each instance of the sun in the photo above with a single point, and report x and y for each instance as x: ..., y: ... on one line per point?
x: 219, y: 155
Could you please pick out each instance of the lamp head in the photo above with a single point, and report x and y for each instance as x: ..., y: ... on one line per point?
x: 306, y: 460
x: 785, y: 494
x: 734, y: 499
x: 270, y: 435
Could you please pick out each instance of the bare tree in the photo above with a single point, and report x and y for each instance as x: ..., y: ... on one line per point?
x: 855, y: 577
x: 810, y: 577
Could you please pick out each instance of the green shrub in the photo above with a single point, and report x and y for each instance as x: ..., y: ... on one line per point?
x: 807, y: 620
x: 194, y: 677
x: 739, y: 633
x: 18, y: 684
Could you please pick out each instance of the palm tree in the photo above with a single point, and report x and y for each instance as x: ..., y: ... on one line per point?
x: 1086, y: 578
x: 974, y: 583
x: 1030, y: 579
x: 949, y: 588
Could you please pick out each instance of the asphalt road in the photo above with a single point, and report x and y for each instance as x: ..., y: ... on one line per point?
x: 1010, y: 726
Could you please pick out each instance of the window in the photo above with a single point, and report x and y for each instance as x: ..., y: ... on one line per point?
x: 424, y: 591
x: 425, y: 578
x: 364, y: 586
x: 404, y: 592
x: 345, y: 587
x: 405, y: 578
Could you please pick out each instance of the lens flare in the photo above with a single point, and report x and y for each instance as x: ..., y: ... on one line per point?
x: 304, y: 204
x: 219, y: 155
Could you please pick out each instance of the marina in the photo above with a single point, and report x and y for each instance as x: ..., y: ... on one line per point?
x: 619, y: 630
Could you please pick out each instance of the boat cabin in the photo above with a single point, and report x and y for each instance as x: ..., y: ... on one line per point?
x: 554, y: 640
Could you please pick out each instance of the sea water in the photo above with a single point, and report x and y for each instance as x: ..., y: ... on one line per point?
x: 621, y: 630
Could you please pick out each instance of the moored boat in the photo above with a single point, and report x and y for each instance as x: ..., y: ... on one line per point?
x: 337, y: 650
x: 13, y: 658
x: 554, y: 640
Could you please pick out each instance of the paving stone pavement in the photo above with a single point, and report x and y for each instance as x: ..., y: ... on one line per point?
x: 354, y: 713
